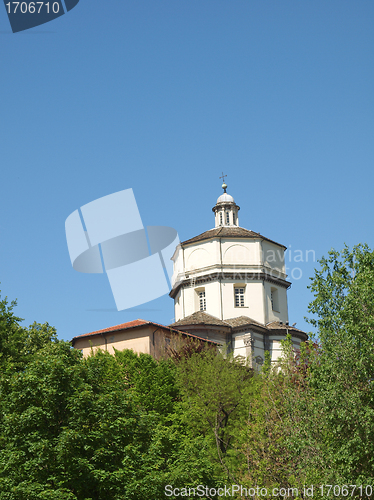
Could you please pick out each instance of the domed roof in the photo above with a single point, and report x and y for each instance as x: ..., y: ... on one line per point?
x: 225, y: 197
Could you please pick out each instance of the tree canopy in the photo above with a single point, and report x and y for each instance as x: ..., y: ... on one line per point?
x: 123, y: 426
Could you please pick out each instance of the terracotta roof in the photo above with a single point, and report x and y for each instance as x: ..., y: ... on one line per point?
x: 200, y: 318
x: 197, y: 318
x: 135, y: 324
x: 122, y: 326
x: 229, y: 232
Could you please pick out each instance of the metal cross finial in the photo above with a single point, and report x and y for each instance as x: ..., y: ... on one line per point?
x: 224, y: 185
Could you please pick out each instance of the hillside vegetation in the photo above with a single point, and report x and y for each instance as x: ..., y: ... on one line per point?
x: 124, y: 427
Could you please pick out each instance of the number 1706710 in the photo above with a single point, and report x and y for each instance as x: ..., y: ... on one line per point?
x: 32, y: 7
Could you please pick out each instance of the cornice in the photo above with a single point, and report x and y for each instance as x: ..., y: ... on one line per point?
x: 224, y: 204
x: 236, y: 276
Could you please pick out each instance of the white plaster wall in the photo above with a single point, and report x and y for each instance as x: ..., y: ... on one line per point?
x: 238, y: 252
x: 253, y: 301
x: 213, y: 294
x: 273, y: 256
x: 177, y: 264
x: 282, y: 314
x: 189, y: 302
x: 242, y: 256
x: 276, y: 348
x: 198, y: 259
x: 210, y: 258
x: 178, y: 306
x: 212, y: 297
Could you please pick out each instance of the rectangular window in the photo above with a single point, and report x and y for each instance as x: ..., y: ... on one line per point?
x: 274, y: 299
x: 228, y: 218
x: 202, y: 301
x: 234, y: 219
x: 220, y: 219
x: 239, y: 297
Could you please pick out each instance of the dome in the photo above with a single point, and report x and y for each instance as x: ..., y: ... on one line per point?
x: 225, y: 197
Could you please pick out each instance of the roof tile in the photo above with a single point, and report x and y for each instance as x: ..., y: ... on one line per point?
x: 243, y: 320
x: 135, y: 323
x: 200, y: 318
x: 228, y: 232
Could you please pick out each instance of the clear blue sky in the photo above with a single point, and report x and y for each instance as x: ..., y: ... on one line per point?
x: 162, y: 96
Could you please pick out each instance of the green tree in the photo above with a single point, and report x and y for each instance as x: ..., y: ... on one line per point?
x: 18, y: 344
x: 214, y: 389
x: 338, y: 426
x: 33, y: 406
x: 86, y: 429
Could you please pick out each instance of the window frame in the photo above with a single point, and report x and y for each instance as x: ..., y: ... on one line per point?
x: 239, y: 296
x: 202, y: 300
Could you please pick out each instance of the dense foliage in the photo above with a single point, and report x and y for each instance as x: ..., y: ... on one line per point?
x: 123, y: 427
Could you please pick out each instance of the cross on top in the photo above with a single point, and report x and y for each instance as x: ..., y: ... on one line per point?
x: 223, y: 177
x: 224, y: 185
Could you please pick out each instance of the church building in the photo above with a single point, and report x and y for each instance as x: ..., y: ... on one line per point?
x: 229, y: 287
